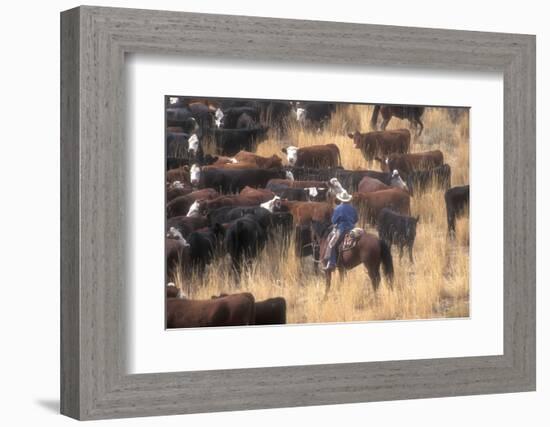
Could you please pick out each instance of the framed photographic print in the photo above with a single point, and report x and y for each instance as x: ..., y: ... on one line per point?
x: 253, y: 189
x: 296, y: 212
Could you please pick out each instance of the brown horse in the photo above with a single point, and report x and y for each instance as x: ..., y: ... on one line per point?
x: 412, y: 114
x: 369, y: 250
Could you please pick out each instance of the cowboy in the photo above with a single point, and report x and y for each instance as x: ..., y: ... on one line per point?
x: 344, y: 219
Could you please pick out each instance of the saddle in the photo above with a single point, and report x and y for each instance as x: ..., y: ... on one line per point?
x: 351, y: 238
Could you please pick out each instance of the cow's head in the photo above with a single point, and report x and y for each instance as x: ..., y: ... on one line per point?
x: 218, y: 115
x: 193, y: 143
x: 300, y: 114
x: 289, y: 175
x: 291, y: 154
x: 175, y: 234
x: 335, y: 187
x: 195, y: 174
x: 313, y: 193
x: 397, y: 181
x: 195, y: 208
x: 273, y: 204
x: 356, y: 136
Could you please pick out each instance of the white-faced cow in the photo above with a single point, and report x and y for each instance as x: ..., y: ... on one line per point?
x: 314, y: 156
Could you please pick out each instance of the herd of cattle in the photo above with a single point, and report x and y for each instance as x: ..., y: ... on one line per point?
x: 233, y: 203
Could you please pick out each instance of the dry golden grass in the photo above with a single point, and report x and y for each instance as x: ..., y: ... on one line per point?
x: 435, y: 285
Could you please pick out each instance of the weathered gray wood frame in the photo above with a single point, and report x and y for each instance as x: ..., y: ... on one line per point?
x: 94, y: 42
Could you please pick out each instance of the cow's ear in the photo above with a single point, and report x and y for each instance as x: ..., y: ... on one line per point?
x: 284, y: 150
x: 186, y: 168
x: 350, y: 135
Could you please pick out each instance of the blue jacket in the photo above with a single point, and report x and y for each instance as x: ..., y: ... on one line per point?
x: 344, y: 217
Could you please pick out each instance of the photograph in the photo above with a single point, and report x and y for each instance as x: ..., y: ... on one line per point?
x: 296, y: 212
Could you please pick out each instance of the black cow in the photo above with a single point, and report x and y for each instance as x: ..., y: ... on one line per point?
x: 398, y: 229
x: 226, y: 104
x: 420, y: 181
x: 303, y: 243
x: 312, y: 194
x: 204, y: 117
x: 230, y: 141
x: 244, y: 240
x: 233, y: 180
x: 231, y: 117
x: 280, y: 221
x: 228, y: 214
x: 315, y: 114
x: 457, y: 200
x: 275, y: 113
x: 301, y: 173
x: 246, y: 122
x: 175, y: 116
x: 204, y: 246
x: 195, y: 117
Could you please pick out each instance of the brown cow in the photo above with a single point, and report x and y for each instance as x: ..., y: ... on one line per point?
x: 231, y: 165
x: 314, y: 156
x: 172, y: 291
x: 369, y: 185
x: 175, y: 191
x: 257, y: 192
x: 180, y: 174
x: 381, y: 143
x: 296, y: 184
x: 262, y: 162
x: 271, y: 311
x: 372, y: 203
x: 222, y: 160
x: 186, y: 224
x: 232, y: 310
x: 180, y: 205
x: 407, y: 163
x: 304, y: 212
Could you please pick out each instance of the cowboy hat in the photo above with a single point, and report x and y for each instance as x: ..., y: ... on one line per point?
x: 344, y: 196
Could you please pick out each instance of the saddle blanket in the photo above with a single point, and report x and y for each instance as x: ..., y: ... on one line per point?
x: 351, y: 239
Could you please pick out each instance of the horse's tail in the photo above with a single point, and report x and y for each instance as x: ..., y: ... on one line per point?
x: 339, y: 157
x: 374, y: 117
x: 387, y: 261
